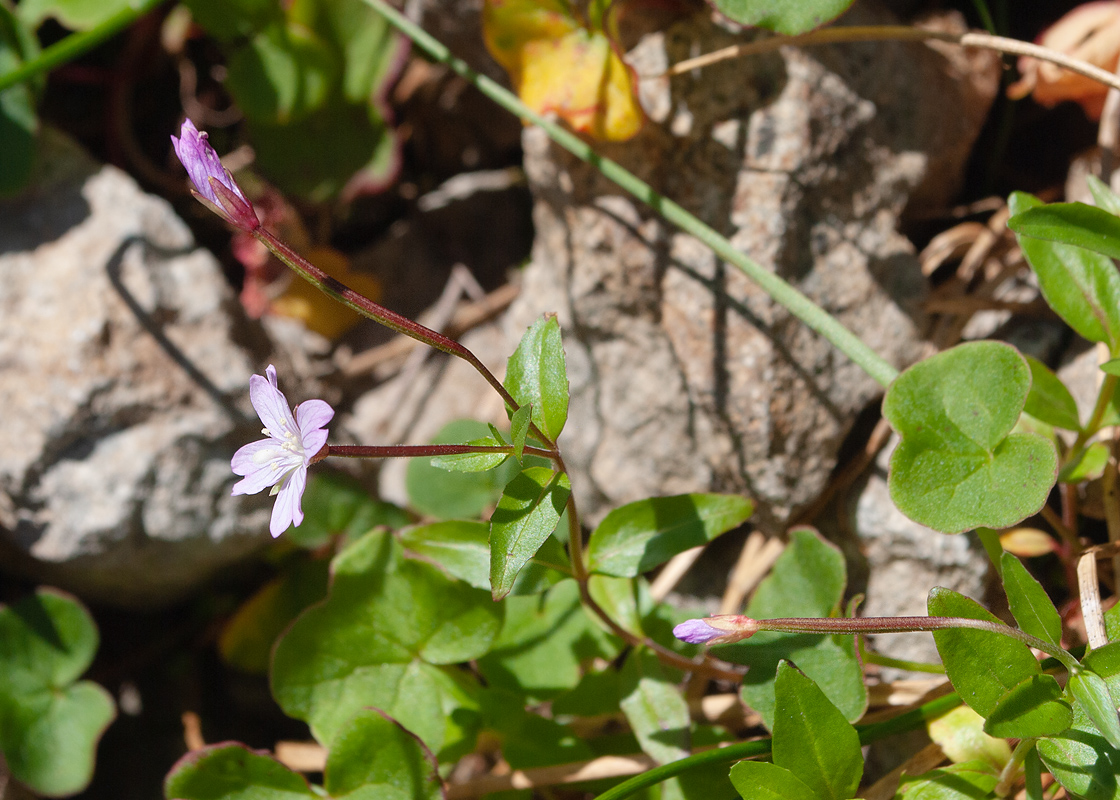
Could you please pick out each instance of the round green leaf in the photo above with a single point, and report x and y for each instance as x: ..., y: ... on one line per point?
x: 958, y: 466
x: 644, y: 534
x: 375, y: 640
x: 233, y: 772
x: 50, y: 725
x: 789, y: 17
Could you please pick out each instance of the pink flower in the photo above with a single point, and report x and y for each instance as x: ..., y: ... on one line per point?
x: 281, y: 460
x: 213, y: 183
x: 720, y: 629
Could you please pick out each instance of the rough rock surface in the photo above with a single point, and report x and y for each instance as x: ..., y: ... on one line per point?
x: 123, y: 391
x: 685, y: 375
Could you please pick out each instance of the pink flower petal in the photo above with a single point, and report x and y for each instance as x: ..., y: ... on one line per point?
x: 310, y: 416
x: 287, y: 510
x: 313, y: 442
x: 248, y: 459
x: 272, y: 407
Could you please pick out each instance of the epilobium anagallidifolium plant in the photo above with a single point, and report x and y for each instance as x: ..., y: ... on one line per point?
x: 965, y: 462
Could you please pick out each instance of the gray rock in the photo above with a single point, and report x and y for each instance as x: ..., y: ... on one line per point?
x: 124, y: 390
x: 685, y: 375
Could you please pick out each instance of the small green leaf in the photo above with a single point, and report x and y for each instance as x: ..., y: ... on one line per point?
x: 644, y: 534
x: 760, y: 780
x: 788, y: 18
x: 1089, y: 464
x: 282, y: 74
x: 982, y: 665
x: 529, y: 740
x: 519, y: 428
x: 378, y: 640
x: 448, y: 495
x: 526, y: 516
x: 1033, y: 708
x: 971, y: 780
x: 958, y: 465
x: 1081, y: 285
x: 1049, y: 400
x: 233, y: 772
x: 374, y: 755
x: 229, y: 20
x: 77, y: 15
x: 50, y: 721
x: 655, y: 708
x: 473, y: 462
x: 1091, y: 693
x: 536, y: 375
x: 1081, y: 760
x: 543, y: 644
x: 1031, y: 606
x: 807, y: 580
x: 1103, y: 195
x: 812, y: 739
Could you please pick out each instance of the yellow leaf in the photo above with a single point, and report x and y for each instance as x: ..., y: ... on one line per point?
x: 1027, y: 542
x: 961, y: 736
x: 319, y: 312
x: 561, y: 68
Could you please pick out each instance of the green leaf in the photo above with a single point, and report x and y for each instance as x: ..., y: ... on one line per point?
x: 1111, y: 367
x: 655, y: 708
x: 525, y: 517
x: 1070, y: 223
x: 807, y: 580
x: 335, y: 504
x: 530, y: 740
x: 812, y: 739
x: 982, y: 665
x: 1082, y: 286
x: 371, y: 49
x: 282, y: 74
x: 1082, y: 760
x: 1103, y: 195
x: 644, y: 534
x: 438, y: 493
x: 788, y: 18
x: 519, y: 428
x: 1030, y: 605
x: 960, y: 734
x: 1031, y: 709
x: 233, y: 772
x: 372, y: 754
x: 759, y: 780
x: 377, y: 640
x: 229, y: 20
x: 536, y: 375
x: 473, y: 462
x: 19, y: 123
x: 544, y: 643
x: 1049, y: 400
x: 958, y: 465
x: 625, y: 600
x: 77, y: 15
x: 49, y: 721
x: 971, y: 780
x: 1091, y: 693
x: 1089, y: 464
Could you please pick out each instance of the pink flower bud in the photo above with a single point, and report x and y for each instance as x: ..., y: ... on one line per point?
x: 213, y: 183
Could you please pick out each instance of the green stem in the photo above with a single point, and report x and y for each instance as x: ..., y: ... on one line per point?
x: 908, y: 721
x: 1009, y: 774
x: 1104, y: 397
x: 793, y: 300
x: 75, y: 44
x: 871, y: 657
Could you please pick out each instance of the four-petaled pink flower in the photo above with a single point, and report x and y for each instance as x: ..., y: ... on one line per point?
x: 213, y: 182
x: 281, y: 460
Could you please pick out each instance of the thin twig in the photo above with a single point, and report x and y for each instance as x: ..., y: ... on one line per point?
x: 901, y: 33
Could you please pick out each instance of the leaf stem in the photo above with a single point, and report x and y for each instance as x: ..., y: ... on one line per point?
x: 871, y: 657
x: 783, y: 293
x: 421, y: 450
x: 74, y: 45
x: 1010, y: 772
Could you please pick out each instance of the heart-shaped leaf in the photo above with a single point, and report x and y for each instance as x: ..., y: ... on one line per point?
x: 379, y: 639
x: 958, y: 465
x: 233, y: 772
x: 49, y: 721
x: 644, y: 534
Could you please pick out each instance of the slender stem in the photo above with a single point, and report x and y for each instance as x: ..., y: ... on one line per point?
x: 783, y: 293
x: 864, y: 625
x: 1010, y: 772
x: 1104, y: 398
x: 871, y: 657
x: 420, y: 450
x: 903, y: 33
x: 76, y: 44
x: 390, y: 319
x: 908, y: 721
